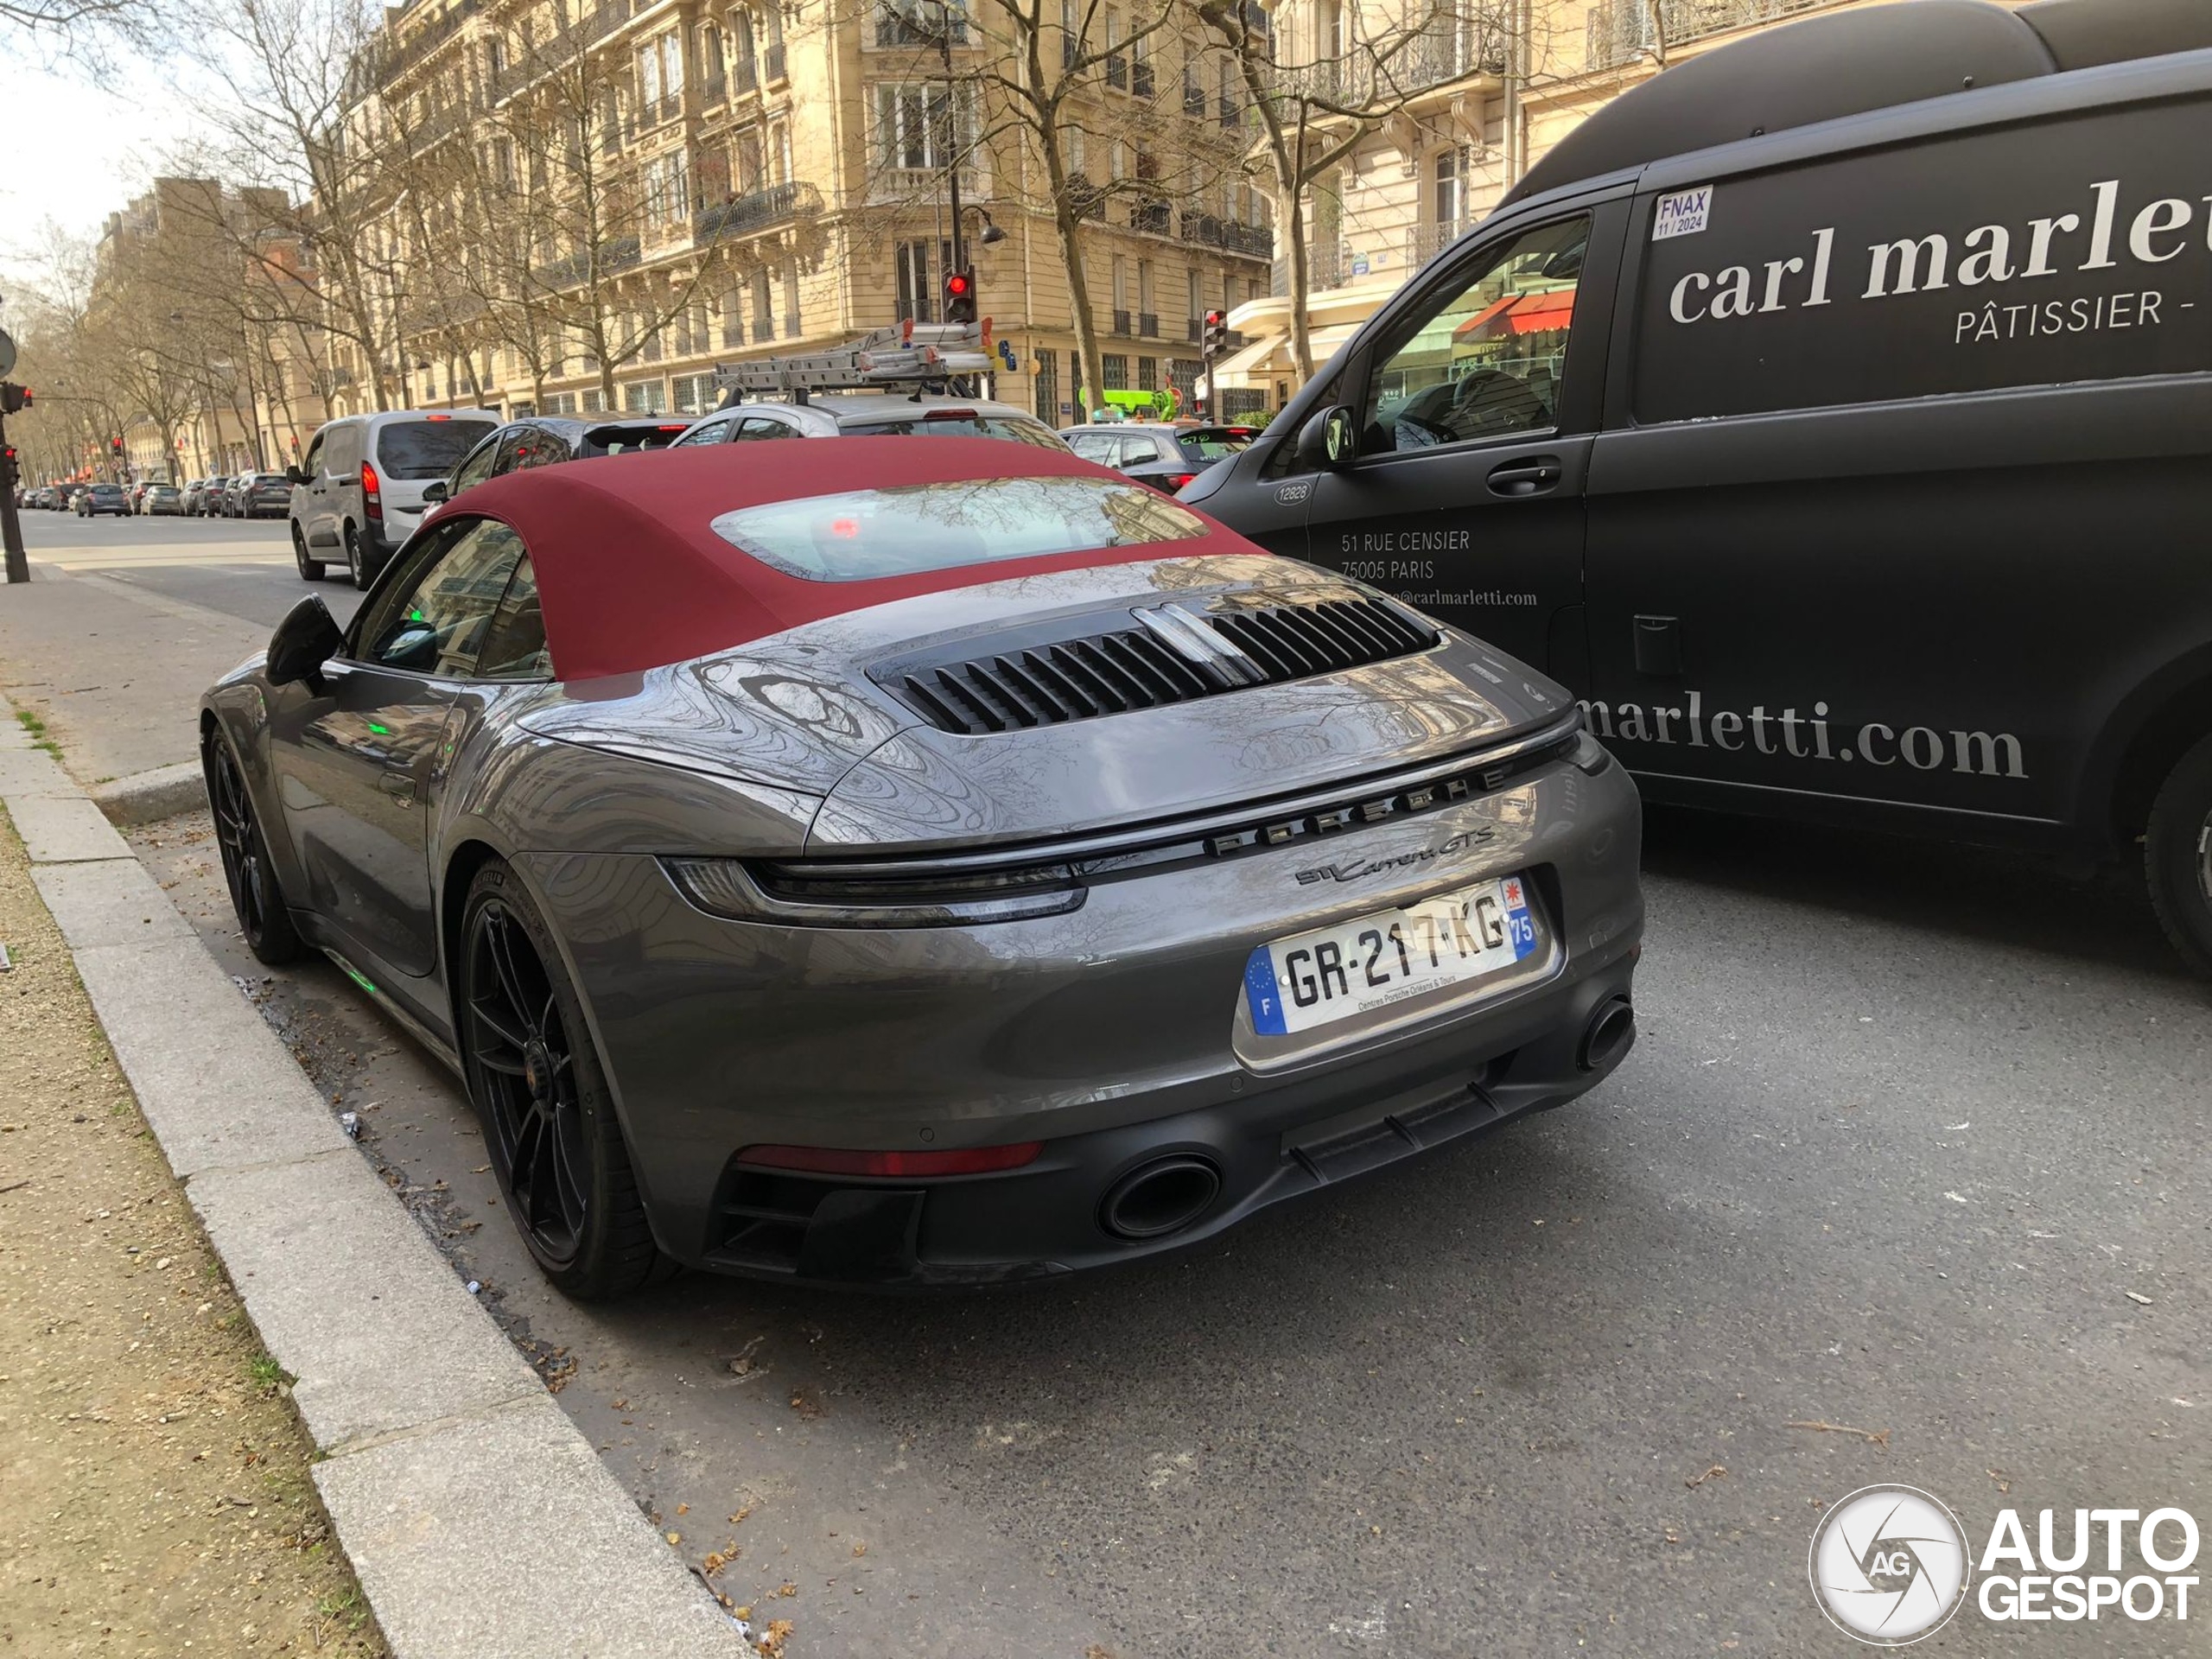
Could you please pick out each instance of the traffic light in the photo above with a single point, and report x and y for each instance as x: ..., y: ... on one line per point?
x: 960, y: 295
x: 14, y: 399
x: 1215, y: 335
x: 115, y: 446
x: 7, y: 472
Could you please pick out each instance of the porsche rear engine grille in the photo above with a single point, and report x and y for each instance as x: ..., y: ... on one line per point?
x: 1051, y: 683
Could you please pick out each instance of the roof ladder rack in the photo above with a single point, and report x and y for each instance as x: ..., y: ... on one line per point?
x: 909, y: 353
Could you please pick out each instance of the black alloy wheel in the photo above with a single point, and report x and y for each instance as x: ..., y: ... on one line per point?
x: 255, y: 895
x: 2177, y: 857
x: 537, y: 1084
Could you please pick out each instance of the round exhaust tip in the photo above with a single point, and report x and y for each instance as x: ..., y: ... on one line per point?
x: 1159, y: 1198
x: 1610, y: 1032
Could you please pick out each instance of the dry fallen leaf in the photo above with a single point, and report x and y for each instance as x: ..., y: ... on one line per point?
x: 675, y: 1537
x: 1700, y: 1480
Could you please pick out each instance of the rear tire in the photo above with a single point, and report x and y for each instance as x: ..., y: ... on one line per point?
x: 2177, y: 857
x: 549, y: 1117
x: 310, y: 569
x: 256, y: 896
x: 357, y: 564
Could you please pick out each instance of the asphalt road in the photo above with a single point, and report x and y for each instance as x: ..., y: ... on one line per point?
x: 239, y: 566
x: 1904, y: 1182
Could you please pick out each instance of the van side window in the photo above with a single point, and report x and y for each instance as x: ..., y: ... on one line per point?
x: 2046, y: 254
x: 1485, y: 362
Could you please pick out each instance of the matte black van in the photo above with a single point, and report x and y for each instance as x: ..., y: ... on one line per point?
x: 1834, y: 412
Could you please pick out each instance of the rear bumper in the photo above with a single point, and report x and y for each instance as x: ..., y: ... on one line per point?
x: 1108, y: 1034
x: 1064, y: 1212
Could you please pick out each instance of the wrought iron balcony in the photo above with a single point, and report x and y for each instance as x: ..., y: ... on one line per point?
x: 1148, y: 324
x: 1210, y: 231
x: 1424, y: 242
x: 1121, y: 322
x: 756, y: 211
x: 1620, y: 31
x: 1454, y: 50
x: 1152, y: 216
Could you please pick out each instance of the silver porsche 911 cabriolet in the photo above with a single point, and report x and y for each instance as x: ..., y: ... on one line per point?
x: 936, y: 864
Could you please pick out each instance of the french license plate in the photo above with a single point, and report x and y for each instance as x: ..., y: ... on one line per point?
x: 1358, y: 966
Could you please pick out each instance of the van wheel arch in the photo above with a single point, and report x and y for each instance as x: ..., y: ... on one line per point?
x: 2176, y: 725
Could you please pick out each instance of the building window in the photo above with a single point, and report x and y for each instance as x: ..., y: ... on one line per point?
x: 694, y: 394
x: 592, y: 401
x: 1450, y: 196
x: 1148, y: 374
x: 646, y: 397
x: 916, y: 273
x: 922, y: 128
x: 764, y: 308
x: 734, y: 318
x: 790, y: 300
x: 560, y: 403
x: 1048, y: 387
x: 1115, y: 368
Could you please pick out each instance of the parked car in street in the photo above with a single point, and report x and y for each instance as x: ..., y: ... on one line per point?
x: 871, y: 414
x: 549, y: 440
x: 163, y: 499
x: 962, y: 863
x: 235, y: 489
x: 1853, y: 470
x: 96, y: 500
x: 1166, y: 455
x: 263, y: 495
x: 358, y: 490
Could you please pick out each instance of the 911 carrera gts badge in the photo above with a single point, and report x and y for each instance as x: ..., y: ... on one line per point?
x: 1352, y: 869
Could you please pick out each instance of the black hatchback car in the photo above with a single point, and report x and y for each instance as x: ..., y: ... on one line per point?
x: 1167, y: 457
x: 549, y: 440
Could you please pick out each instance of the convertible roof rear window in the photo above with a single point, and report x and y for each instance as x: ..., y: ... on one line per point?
x: 862, y: 535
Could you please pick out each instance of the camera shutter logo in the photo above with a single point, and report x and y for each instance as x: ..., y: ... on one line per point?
x: 1890, y: 1565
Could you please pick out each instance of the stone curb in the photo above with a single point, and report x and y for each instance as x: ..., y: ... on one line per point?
x: 149, y: 797
x: 479, y: 1519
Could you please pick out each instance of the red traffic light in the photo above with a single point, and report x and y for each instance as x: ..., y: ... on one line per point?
x: 957, y: 285
x: 1213, y: 319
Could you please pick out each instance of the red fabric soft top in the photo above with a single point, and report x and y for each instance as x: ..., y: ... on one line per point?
x: 632, y: 575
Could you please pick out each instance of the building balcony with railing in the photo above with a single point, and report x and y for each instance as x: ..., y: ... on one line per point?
x: 1424, y: 242
x: 756, y: 211
x: 1211, y: 231
x: 1622, y: 31
x: 1459, y: 50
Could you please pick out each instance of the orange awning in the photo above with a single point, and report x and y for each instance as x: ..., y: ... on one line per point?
x: 1520, y: 314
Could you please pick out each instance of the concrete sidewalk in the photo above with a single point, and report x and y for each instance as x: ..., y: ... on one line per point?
x: 72, y: 651
x: 479, y: 1522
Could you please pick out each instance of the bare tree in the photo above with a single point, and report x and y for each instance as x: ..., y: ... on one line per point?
x: 1309, y: 116
x: 1074, y: 95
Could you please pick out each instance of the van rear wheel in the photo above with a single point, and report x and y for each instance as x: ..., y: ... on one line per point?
x: 2177, y: 857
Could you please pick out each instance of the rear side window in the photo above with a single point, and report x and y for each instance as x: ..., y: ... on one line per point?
x: 2066, y: 251
x: 860, y: 535
x: 1211, y: 443
x: 712, y: 432
x: 425, y: 448
x: 342, y: 454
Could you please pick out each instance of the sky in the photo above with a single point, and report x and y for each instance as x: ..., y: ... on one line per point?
x: 79, y: 145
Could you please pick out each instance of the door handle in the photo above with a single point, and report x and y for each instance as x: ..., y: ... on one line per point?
x: 400, y: 786
x: 1659, y: 646
x: 1531, y: 477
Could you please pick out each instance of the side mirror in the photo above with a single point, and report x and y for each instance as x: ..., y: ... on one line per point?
x: 1329, y: 439
x: 434, y: 493
x: 306, y: 639
x: 293, y: 474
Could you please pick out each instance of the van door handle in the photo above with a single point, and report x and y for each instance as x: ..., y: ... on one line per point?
x: 1530, y: 477
x: 1659, y: 646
